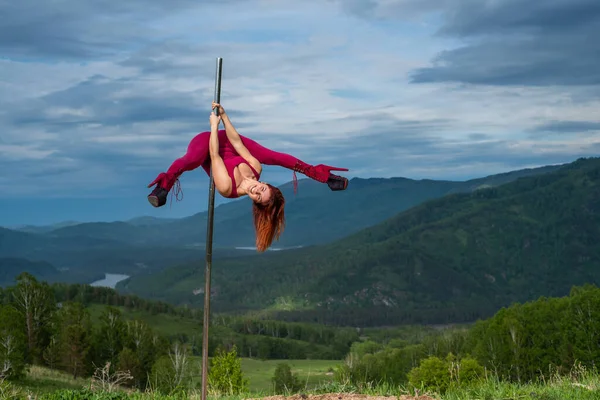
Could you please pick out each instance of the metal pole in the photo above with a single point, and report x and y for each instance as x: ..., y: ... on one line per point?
x: 209, y: 238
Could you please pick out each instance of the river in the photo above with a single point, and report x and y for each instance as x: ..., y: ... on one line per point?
x: 110, y: 280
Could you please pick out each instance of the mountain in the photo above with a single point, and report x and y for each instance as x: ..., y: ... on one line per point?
x: 44, y: 228
x: 87, y: 258
x: 149, y: 221
x: 452, y: 259
x: 10, y: 268
x: 314, y: 215
x: 17, y: 243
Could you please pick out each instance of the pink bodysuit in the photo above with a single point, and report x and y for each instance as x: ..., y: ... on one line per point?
x: 198, y: 155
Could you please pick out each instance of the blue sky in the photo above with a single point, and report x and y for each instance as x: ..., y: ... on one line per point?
x: 97, y: 97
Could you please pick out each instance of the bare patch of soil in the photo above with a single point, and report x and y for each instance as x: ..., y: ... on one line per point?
x: 345, y: 396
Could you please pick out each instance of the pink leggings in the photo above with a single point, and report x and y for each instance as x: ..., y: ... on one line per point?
x: 198, y: 155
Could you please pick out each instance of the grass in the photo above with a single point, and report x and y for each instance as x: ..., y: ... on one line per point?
x: 507, y: 391
x: 41, y: 379
x: 555, y: 389
x: 310, y: 372
x: 580, y: 384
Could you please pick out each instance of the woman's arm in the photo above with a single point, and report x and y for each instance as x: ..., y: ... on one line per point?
x: 221, y: 177
x: 236, y: 140
x: 253, y: 152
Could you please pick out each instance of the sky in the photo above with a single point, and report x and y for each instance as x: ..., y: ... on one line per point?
x: 98, y: 96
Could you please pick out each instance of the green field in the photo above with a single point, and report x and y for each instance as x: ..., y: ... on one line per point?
x: 310, y: 372
x: 580, y: 386
x: 44, y: 380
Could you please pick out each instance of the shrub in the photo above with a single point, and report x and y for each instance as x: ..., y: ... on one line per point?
x: 225, y: 375
x: 10, y: 392
x: 432, y: 374
x: 284, y: 380
x: 469, y: 371
x: 435, y: 374
x: 162, y: 376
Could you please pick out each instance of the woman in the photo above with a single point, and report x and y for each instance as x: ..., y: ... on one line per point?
x: 236, y: 164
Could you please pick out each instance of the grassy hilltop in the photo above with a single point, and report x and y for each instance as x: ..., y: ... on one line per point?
x: 541, y: 349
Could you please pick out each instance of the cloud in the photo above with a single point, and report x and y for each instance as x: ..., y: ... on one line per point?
x: 97, y: 98
x: 513, y: 42
x: 518, y: 42
x: 569, y: 127
x: 474, y: 17
x: 388, y: 9
x: 23, y: 152
x: 76, y: 30
x: 113, y: 102
x: 422, y: 149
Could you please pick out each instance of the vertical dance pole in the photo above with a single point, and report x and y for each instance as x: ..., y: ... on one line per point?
x: 209, y: 238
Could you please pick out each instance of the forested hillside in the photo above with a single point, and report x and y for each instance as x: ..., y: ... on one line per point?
x: 84, y: 259
x: 538, y: 342
x: 313, y: 202
x: 79, y: 329
x: 452, y: 259
x: 11, y: 267
x: 83, y: 252
x: 72, y: 326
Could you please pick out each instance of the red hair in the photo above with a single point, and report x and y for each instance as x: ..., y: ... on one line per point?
x: 269, y: 219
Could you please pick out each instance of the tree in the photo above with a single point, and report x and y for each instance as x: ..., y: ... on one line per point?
x: 129, y: 362
x: 284, y: 380
x: 36, y: 301
x: 146, y: 346
x: 180, y: 361
x: 225, y: 375
x: 162, y: 375
x: 75, y: 338
x: 110, y: 335
x: 52, y: 352
x: 172, y: 372
x: 12, y: 343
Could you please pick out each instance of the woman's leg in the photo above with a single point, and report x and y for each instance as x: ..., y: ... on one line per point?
x: 196, y: 155
x: 267, y: 156
x: 321, y: 173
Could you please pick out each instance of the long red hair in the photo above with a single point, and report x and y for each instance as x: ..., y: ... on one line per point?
x: 269, y: 219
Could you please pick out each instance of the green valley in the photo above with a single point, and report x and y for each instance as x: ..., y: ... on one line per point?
x: 96, y: 343
x: 453, y: 277
x: 315, y: 215
x: 452, y: 259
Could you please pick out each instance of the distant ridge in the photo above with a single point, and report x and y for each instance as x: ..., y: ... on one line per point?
x: 314, y: 216
x: 452, y: 259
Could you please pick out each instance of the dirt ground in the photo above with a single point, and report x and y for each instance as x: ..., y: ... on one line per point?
x: 345, y: 396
